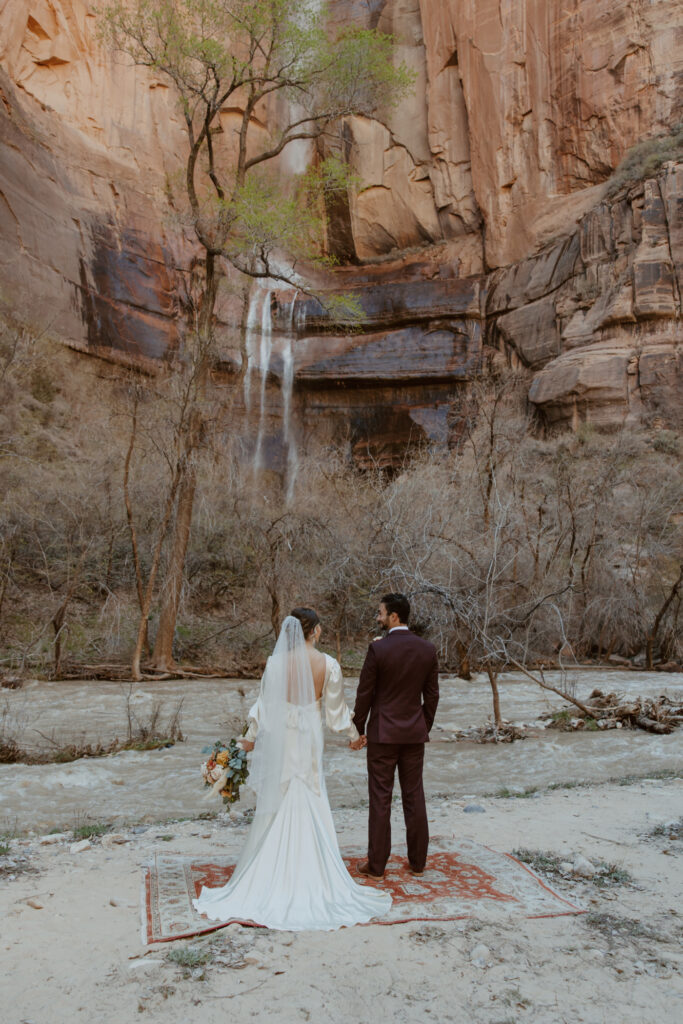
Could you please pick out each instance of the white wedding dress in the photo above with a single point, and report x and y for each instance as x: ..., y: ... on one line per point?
x: 290, y: 875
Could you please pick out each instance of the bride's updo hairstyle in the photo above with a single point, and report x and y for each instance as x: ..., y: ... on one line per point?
x: 308, y: 618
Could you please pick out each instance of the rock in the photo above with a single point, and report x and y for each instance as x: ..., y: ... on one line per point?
x: 145, y: 964
x: 532, y: 118
x: 35, y: 904
x: 474, y: 809
x: 583, y: 867
x: 502, y: 148
x: 79, y: 847
x: 480, y: 955
x: 54, y: 837
x: 113, y: 839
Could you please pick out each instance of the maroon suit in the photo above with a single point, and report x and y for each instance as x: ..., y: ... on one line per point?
x: 399, y: 689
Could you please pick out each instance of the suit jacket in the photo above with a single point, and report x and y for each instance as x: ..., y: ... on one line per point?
x: 398, y: 688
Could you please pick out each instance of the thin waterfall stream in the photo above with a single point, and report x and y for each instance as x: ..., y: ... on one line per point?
x: 266, y: 350
x: 265, y: 353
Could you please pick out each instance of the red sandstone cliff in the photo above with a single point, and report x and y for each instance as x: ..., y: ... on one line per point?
x: 498, y: 160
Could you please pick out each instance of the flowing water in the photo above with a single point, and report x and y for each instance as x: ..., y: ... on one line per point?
x: 154, y: 785
x: 266, y: 352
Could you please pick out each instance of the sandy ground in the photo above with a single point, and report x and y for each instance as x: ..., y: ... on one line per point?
x: 75, y: 954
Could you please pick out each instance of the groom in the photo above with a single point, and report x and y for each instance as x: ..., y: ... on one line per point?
x: 399, y: 689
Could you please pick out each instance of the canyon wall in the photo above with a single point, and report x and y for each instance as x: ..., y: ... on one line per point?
x: 490, y: 176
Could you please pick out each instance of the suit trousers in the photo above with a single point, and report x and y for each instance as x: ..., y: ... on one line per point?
x: 383, y: 759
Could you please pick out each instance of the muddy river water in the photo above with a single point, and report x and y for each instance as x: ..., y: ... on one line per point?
x: 156, y: 785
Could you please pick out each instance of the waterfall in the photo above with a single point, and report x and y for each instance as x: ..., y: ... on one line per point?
x: 265, y: 352
x: 254, y: 314
x: 259, y: 354
x: 287, y: 391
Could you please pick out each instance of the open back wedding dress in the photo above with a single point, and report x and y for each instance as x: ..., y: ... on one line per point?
x: 290, y: 874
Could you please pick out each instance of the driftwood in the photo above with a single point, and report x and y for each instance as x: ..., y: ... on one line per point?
x: 610, y: 711
x: 583, y: 708
x: 121, y: 672
x: 505, y: 732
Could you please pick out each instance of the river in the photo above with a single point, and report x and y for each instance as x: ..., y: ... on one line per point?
x: 155, y: 785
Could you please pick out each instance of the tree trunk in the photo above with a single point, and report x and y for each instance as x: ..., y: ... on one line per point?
x: 652, y: 635
x: 129, y: 516
x: 274, y: 611
x: 59, y: 618
x: 58, y: 626
x: 162, y: 657
x: 147, y: 599
x: 5, y: 580
x: 464, y: 669
x: 493, y: 680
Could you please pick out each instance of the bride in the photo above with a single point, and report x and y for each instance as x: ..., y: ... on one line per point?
x: 290, y: 874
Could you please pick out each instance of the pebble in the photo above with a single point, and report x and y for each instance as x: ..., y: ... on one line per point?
x: 84, y: 844
x: 582, y: 867
x: 474, y: 809
x: 480, y: 955
x: 35, y: 904
x: 566, y: 867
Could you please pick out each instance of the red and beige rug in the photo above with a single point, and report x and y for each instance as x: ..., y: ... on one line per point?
x: 462, y: 878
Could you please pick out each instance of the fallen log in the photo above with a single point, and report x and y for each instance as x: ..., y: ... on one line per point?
x: 650, y: 725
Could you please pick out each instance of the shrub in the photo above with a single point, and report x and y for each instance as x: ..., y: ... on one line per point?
x: 646, y: 158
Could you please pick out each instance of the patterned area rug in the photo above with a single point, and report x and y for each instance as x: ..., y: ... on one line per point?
x: 462, y: 879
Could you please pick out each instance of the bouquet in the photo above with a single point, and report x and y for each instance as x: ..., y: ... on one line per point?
x: 226, y: 769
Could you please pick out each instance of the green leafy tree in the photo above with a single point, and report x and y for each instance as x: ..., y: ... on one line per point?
x: 268, y: 62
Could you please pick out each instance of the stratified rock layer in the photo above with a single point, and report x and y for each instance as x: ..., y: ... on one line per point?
x: 497, y: 159
x: 599, y: 314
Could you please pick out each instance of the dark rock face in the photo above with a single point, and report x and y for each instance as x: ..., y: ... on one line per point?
x: 127, y: 296
x: 388, y: 385
x: 84, y: 255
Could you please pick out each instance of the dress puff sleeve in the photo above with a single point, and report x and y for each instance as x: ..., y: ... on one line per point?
x: 337, y: 714
x: 254, y: 716
x: 254, y: 720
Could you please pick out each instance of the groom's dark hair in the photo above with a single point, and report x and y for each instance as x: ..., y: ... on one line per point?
x: 398, y: 603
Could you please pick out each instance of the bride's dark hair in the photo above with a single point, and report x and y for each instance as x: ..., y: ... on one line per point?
x: 308, y: 618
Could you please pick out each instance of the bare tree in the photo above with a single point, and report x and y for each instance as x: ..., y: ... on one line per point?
x: 245, y: 55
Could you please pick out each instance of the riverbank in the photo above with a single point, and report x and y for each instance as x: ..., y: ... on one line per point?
x: 72, y: 948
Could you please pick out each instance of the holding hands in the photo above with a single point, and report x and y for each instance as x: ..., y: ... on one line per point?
x: 358, y: 744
